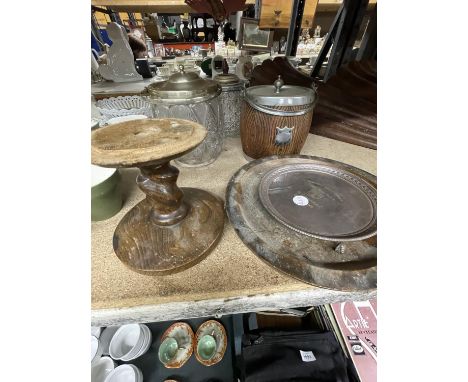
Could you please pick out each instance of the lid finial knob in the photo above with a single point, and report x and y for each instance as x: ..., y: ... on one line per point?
x: 181, y: 68
x: 278, y: 84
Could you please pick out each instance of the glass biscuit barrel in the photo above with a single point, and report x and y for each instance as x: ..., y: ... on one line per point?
x: 231, y: 102
x: 275, y: 119
x: 187, y: 96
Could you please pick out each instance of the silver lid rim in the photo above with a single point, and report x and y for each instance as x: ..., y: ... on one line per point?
x: 279, y: 99
x: 182, y: 88
x: 281, y: 113
x: 231, y: 87
x: 184, y: 101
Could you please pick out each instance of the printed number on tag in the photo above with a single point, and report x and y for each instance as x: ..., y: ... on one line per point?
x: 307, y: 356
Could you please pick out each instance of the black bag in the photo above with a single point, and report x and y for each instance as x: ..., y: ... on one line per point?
x: 273, y: 356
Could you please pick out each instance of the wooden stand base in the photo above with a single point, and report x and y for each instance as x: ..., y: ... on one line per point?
x: 152, y: 249
x: 172, y: 228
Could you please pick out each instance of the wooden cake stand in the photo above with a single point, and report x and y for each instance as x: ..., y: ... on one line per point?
x: 172, y: 228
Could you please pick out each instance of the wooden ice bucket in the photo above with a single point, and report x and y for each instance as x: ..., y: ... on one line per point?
x: 275, y: 119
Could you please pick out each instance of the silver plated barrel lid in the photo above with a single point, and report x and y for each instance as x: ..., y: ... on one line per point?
x: 279, y: 94
x: 183, y: 88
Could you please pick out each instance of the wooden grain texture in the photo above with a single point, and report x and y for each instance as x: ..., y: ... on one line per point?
x: 258, y: 131
x: 346, y: 109
x: 159, y: 183
x: 171, y: 229
x: 347, y: 105
x: 150, y: 248
x: 144, y: 141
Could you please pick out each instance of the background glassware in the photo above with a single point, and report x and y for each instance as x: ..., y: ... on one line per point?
x: 231, y: 103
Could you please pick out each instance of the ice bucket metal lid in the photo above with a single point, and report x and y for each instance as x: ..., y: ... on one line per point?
x: 279, y: 94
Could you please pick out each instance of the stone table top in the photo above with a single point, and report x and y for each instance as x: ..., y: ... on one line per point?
x: 231, y: 279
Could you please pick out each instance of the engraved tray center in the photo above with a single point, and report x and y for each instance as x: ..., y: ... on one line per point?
x: 320, y: 201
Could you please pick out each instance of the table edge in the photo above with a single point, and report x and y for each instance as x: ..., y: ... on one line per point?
x: 223, y: 306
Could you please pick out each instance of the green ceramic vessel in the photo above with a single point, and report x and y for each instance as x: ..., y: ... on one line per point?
x: 206, y: 347
x: 106, y: 198
x: 206, y: 66
x: 168, y: 350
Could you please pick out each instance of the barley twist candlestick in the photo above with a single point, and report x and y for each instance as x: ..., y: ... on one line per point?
x: 172, y: 228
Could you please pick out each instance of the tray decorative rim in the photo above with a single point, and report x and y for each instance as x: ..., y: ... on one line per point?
x: 359, y: 182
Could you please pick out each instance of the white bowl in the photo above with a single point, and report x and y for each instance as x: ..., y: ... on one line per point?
x: 138, y: 373
x: 126, y: 105
x: 137, y: 352
x: 106, y: 337
x: 96, y: 349
x: 101, y: 369
x: 124, y: 373
x: 148, y: 342
x: 127, y: 339
x: 134, y: 353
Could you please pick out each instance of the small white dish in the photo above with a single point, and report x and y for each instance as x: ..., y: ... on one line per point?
x: 138, y: 373
x: 148, y: 342
x: 106, y: 337
x: 125, y: 373
x: 139, y: 351
x: 101, y: 369
x: 134, y: 353
x: 112, y: 121
x: 128, y: 339
x: 96, y: 349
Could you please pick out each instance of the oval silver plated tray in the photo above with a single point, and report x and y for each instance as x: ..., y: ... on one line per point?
x: 333, y: 256
x: 321, y: 200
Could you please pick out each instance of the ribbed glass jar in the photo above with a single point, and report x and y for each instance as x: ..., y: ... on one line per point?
x: 187, y: 96
x: 231, y: 102
x: 205, y: 113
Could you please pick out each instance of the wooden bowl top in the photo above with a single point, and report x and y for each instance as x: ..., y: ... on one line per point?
x: 144, y: 141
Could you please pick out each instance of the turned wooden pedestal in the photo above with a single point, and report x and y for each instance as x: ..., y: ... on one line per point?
x: 172, y: 228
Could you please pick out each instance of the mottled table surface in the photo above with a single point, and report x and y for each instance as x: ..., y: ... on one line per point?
x: 231, y: 279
